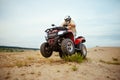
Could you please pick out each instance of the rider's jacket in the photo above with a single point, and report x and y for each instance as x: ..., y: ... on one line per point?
x: 70, y: 25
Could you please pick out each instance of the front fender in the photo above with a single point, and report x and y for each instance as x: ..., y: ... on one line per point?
x: 68, y: 34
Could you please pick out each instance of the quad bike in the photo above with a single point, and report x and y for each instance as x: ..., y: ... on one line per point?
x: 61, y: 39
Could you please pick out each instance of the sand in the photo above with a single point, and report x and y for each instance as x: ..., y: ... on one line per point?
x: 102, y: 63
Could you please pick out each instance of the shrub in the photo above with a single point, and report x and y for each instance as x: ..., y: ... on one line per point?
x: 30, y: 58
x: 74, y: 68
x: 74, y: 58
x: 114, y: 59
x: 21, y: 63
x: 108, y: 62
x: 11, y: 50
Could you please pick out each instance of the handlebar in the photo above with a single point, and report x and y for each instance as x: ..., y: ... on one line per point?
x: 58, y: 28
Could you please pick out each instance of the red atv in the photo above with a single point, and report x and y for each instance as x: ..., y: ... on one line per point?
x: 61, y: 39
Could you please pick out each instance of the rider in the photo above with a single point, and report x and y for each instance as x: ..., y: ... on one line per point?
x: 69, y: 23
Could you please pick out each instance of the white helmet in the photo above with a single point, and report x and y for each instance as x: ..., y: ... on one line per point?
x: 67, y: 18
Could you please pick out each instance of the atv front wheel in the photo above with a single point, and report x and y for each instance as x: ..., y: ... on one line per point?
x: 62, y: 55
x: 67, y: 47
x: 46, y: 50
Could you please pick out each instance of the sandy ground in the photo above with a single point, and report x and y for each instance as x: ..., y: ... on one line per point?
x: 102, y: 63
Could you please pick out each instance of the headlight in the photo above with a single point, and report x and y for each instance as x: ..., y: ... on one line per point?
x: 60, y: 32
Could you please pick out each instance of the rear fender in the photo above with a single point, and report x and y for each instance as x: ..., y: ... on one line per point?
x: 79, y: 40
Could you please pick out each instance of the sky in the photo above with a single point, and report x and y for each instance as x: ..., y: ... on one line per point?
x: 23, y: 22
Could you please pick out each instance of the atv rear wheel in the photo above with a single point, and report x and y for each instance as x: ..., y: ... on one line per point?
x: 46, y: 50
x: 67, y: 47
x: 83, y: 50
